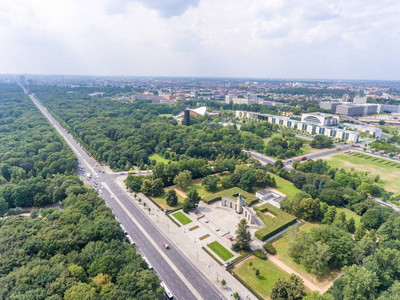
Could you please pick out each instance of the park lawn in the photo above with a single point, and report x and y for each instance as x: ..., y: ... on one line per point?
x: 220, y: 250
x: 269, y: 273
x: 389, y: 173
x: 160, y: 200
x: 159, y: 158
x: 349, y: 214
x: 307, y: 226
x: 282, y: 248
x: 180, y: 216
x: 284, y: 186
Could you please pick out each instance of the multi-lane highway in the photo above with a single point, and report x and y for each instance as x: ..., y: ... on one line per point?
x: 183, y: 279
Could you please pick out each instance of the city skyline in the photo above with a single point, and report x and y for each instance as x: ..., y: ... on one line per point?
x: 245, y: 39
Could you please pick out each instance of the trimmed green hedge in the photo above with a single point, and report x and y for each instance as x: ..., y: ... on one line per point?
x: 231, y: 193
x: 272, y: 225
x: 209, y: 253
x: 176, y: 223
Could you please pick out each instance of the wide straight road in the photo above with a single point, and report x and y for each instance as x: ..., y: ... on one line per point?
x: 183, y: 279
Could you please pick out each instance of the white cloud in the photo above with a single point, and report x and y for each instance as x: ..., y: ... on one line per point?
x: 246, y: 38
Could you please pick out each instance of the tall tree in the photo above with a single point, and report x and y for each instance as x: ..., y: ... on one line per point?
x: 359, y: 283
x: 292, y: 289
x: 183, y: 179
x: 171, y: 198
x: 243, y: 237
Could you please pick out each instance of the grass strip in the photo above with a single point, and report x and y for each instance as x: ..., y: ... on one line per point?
x: 182, y: 218
x: 220, y: 250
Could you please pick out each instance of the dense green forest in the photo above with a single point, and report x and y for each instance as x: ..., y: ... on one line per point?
x: 75, y: 253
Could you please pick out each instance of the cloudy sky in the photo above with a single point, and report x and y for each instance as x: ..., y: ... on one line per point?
x: 348, y: 39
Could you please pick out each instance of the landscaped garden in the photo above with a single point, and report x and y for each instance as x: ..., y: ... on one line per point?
x: 388, y: 171
x: 220, y: 250
x: 232, y: 193
x: 275, y: 220
x: 264, y: 282
x: 182, y: 218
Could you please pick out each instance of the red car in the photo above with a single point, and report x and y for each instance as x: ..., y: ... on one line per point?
x: 166, y: 246
x: 303, y: 158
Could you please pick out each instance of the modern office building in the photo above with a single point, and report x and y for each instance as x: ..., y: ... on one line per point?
x: 367, y: 130
x: 330, y: 105
x: 320, y: 118
x: 350, y: 110
x: 310, y: 127
x: 360, y: 100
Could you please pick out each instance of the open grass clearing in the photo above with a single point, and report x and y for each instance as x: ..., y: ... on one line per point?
x: 349, y: 214
x: 159, y: 158
x: 163, y: 203
x: 284, y: 186
x: 220, y: 250
x: 269, y: 273
x: 389, y: 174
x: 282, y: 247
x: 180, y: 216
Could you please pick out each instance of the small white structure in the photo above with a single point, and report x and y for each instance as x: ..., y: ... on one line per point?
x: 269, y: 197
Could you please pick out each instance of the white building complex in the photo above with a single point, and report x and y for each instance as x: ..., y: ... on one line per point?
x: 313, y: 123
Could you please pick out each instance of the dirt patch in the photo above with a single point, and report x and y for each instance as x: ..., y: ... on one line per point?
x: 180, y: 193
x: 267, y: 213
x: 193, y: 228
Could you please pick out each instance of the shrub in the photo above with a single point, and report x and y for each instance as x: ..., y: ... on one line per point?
x: 260, y: 254
x: 269, y: 248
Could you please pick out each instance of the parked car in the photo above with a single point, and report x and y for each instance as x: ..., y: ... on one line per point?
x: 166, y: 246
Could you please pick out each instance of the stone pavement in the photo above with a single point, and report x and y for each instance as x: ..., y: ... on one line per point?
x: 192, y: 249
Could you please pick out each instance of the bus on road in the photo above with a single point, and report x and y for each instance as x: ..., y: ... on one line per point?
x: 167, y: 292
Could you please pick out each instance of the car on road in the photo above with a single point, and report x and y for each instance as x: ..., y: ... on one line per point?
x: 166, y: 246
x: 303, y: 158
x: 112, y: 197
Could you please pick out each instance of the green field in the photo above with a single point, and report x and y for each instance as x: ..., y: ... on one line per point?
x: 231, y: 193
x: 284, y: 186
x: 349, y: 214
x: 275, y: 220
x: 163, y: 203
x: 180, y: 216
x: 159, y: 158
x: 220, y: 250
x: 263, y: 283
x: 389, y: 172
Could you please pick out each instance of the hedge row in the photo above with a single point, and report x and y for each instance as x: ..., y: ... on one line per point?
x: 176, y: 223
x: 209, y: 253
x: 272, y: 225
x: 232, y: 193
